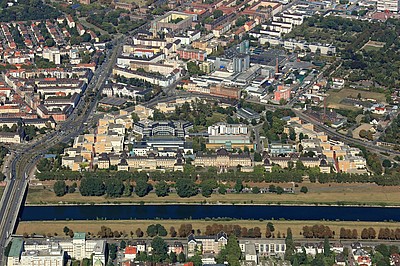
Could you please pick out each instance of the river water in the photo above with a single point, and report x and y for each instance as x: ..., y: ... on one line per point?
x: 127, y: 212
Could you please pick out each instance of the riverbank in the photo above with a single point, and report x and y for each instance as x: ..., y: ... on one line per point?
x: 319, y: 194
x: 126, y: 226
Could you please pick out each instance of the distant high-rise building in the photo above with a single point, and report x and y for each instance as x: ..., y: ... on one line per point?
x: 244, y: 47
x: 388, y: 5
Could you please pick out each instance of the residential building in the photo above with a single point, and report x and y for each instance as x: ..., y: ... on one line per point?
x: 10, y: 137
x: 362, y: 257
x: 338, y: 83
x: 172, y: 21
x: 282, y: 93
x: 388, y: 5
x: 254, y: 249
x: 192, y: 54
x: 52, y: 54
x: 124, y: 90
x: 153, y: 78
x: 207, y: 244
x: 130, y: 252
x: 59, y: 112
x: 207, y: 67
x: 143, y: 112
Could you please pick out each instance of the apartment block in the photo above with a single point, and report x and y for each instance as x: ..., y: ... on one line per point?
x: 192, y: 54
x: 388, y: 5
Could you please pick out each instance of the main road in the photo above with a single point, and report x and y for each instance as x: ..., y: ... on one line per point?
x: 25, y: 158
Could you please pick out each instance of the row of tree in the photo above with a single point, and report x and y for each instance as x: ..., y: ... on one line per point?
x: 386, y: 233
x: 321, y: 231
x: 3, y: 152
x: 60, y: 188
x: 317, y: 231
x: 278, y: 175
x: 381, y: 180
x: 184, y: 187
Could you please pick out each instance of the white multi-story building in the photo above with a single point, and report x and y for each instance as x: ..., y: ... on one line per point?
x: 227, y: 129
x: 52, y: 54
x: 35, y: 254
x: 388, y: 5
x: 81, y: 248
x: 49, y: 252
x: 253, y: 249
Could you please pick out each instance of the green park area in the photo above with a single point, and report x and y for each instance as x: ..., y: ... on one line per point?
x: 336, y: 97
x: 137, y: 2
x: 373, y: 46
x: 329, y: 194
x: 129, y: 228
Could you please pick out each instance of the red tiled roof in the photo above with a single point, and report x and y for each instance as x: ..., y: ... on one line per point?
x: 130, y: 250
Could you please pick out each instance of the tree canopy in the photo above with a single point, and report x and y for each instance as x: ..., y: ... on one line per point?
x: 92, y: 186
x: 162, y: 189
x: 185, y: 188
x: 60, y: 188
x: 159, y: 249
x: 142, y: 187
x: 231, y: 252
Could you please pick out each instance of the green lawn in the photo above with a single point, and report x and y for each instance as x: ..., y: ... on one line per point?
x: 126, y: 226
x: 373, y: 46
x: 356, y: 194
x: 138, y: 2
x: 334, y: 100
x: 370, y: 48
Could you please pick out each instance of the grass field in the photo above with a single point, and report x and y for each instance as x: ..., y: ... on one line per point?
x: 351, y: 194
x: 335, y: 97
x: 370, y: 48
x: 373, y: 46
x: 126, y: 226
x: 356, y: 132
x: 138, y: 2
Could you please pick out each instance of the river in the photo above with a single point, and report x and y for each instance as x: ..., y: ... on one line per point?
x: 127, y: 212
